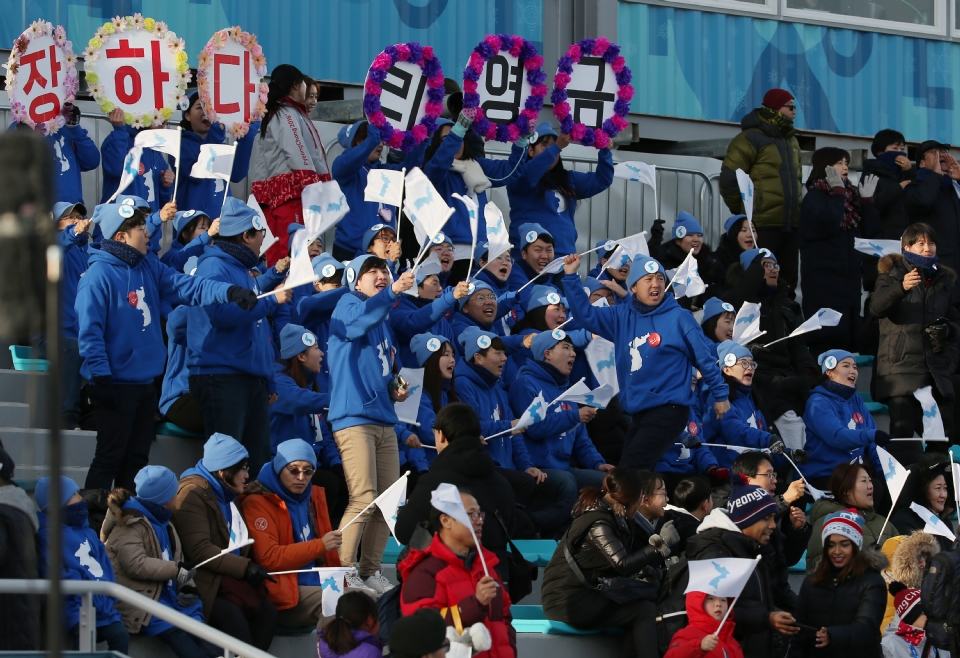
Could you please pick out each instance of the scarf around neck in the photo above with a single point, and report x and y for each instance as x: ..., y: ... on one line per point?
x: 241, y: 252
x: 844, y: 391
x: 926, y: 263
x: 124, y: 252
x: 298, y: 507
x: 851, y: 200
x: 911, y: 634
x: 561, y: 379
x: 488, y: 377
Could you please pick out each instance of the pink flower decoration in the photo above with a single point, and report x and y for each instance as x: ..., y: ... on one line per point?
x: 209, y: 49
x: 534, y: 62
x: 539, y: 90
x: 373, y: 88
x: 561, y: 110
x: 514, y: 132
x: 245, y: 39
x: 476, y: 62
x: 561, y: 80
x: 256, y: 51
x: 377, y: 119
x: 625, y: 92
x: 600, y: 46
x: 382, y: 61
x: 618, y: 64
x: 478, y: 113
x: 574, y: 53
x: 619, y: 122
x: 428, y: 52
x: 264, y: 88
x: 491, y: 132
x: 494, y: 41
x: 419, y: 132
x: 433, y: 110
x: 578, y: 131
x: 435, y: 81
x: 531, y: 115
x: 263, y: 98
x: 469, y: 86
x: 396, y: 139
x: 601, y: 139
x: 517, y: 46
x: 403, y: 52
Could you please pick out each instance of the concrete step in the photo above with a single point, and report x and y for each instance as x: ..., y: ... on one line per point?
x: 27, y: 387
x: 14, y: 414
x: 296, y: 646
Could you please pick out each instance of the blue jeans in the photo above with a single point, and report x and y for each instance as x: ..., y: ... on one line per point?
x: 115, y: 635
x: 188, y: 646
x: 236, y: 405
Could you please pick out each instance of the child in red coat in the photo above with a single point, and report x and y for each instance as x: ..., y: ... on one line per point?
x: 697, y: 639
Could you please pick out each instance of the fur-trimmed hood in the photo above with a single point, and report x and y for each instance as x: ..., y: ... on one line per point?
x: 875, y: 559
x: 116, y: 515
x: 904, y: 566
x: 888, y: 262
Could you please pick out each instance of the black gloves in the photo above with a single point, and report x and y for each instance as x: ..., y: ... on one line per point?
x: 939, y: 335
x: 689, y: 441
x: 799, y: 455
x: 656, y: 231
x: 187, y: 596
x: 777, y: 448
x: 102, y: 393
x: 255, y: 575
x: 881, y: 438
x: 71, y: 113
x: 245, y: 299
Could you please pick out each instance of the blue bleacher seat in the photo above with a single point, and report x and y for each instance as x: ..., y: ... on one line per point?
x: 392, y: 551
x: 169, y: 429
x: 874, y: 408
x: 538, y: 551
x: 863, y: 360
x: 530, y: 619
x: 800, y: 566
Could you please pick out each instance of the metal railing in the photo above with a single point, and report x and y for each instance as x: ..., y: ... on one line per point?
x: 232, y: 647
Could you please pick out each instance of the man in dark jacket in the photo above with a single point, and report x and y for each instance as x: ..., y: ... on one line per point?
x: 20, y: 621
x: 768, y: 151
x: 743, y: 530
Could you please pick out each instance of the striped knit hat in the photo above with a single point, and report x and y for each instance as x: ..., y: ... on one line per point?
x: 847, y: 523
x: 748, y: 503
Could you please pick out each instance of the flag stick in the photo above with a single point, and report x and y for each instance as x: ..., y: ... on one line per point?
x: 228, y: 549
x: 790, y: 336
x: 734, y: 602
x: 922, y: 439
x: 493, y: 436
x: 590, y: 251
x: 490, y: 260
x: 176, y: 181
x: 893, y: 505
x: 283, y: 573
x: 956, y: 492
x: 479, y: 550
x: 542, y: 272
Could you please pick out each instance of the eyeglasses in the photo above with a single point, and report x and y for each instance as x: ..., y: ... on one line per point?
x: 771, y: 475
x: 771, y: 266
x: 484, y: 298
x: 307, y: 473
x: 659, y: 493
x: 747, y: 365
x: 387, y: 237
x: 504, y: 258
x: 791, y: 106
x: 443, y: 249
x: 141, y: 227
x: 477, y: 516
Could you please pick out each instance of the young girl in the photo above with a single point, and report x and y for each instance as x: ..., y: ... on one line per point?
x: 194, y: 232
x: 353, y: 632
x: 699, y: 639
x: 435, y: 355
x: 736, y: 239
x: 717, y: 320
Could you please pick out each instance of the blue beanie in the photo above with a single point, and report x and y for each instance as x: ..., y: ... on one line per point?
x: 829, y: 359
x: 747, y: 257
x: 545, y: 129
x: 222, y: 451
x: 291, y: 231
x: 133, y: 200
x: 345, y: 136
x: 237, y: 217
x: 714, y: 307
x: 480, y: 251
x: 544, y: 296
x: 294, y: 450
x: 474, y: 288
x: 729, y: 352
x: 591, y: 285
x: 112, y: 216
x: 62, y: 208
x: 352, y: 270
x: 544, y: 341
x: 733, y: 219
x: 530, y: 232
x: 326, y: 265
x: 428, y: 269
x: 294, y: 339
x: 156, y: 484
x: 184, y: 217
x: 474, y: 339
x: 441, y: 121
x: 372, y: 233
x: 641, y: 267
x: 686, y: 224
x: 424, y: 345
x: 42, y: 491
x: 603, y: 253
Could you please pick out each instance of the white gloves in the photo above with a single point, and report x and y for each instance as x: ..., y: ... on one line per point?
x: 868, y: 185
x: 833, y: 177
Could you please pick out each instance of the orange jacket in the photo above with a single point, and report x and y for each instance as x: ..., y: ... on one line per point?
x: 274, y: 549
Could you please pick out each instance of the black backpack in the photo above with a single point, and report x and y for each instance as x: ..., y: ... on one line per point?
x: 940, y: 598
x: 672, y: 603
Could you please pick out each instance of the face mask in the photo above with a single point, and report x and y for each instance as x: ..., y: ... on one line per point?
x: 889, y: 159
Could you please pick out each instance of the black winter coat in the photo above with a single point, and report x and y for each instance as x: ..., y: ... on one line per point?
x: 905, y: 359
x: 604, y: 545
x: 671, y: 256
x: 934, y: 201
x: 728, y: 251
x: 888, y: 199
x: 20, y: 623
x: 851, y: 612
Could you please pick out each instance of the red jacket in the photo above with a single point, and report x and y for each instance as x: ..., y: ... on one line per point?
x: 686, y: 641
x: 438, y: 578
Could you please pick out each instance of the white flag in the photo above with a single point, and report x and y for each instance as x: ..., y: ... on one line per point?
x: 601, y: 356
x: 627, y: 248
x: 472, y: 209
x: 324, y: 205
x: 746, y: 193
x: 746, y: 327
x: 638, y: 172
x: 215, y: 161
x: 424, y: 205
x: 331, y: 582
x: 533, y: 413
x: 932, y: 420
x: 392, y: 500
x: 599, y: 397
x: 721, y: 577
x: 933, y: 523
x: 576, y: 393
x: 409, y: 409
x: 446, y: 498
x: 687, y: 282
x: 877, y: 248
x: 384, y: 186
x: 498, y: 241
x: 163, y: 140
x: 554, y: 266
x: 828, y: 317
x: 893, y: 472
x: 131, y: 169
x: 301, y: 269
x: 269, y: 239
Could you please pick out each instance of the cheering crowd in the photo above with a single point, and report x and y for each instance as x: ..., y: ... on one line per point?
x: 706, y: 448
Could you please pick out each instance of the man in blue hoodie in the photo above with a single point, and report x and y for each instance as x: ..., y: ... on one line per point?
x: 363, y: 363
x: 72, y: 236
x: 231, y: 353
x: 75, y: 153
x: 82, y: 557
x: 657, y: 343
x: 535, y: 253
x: 118, y: 304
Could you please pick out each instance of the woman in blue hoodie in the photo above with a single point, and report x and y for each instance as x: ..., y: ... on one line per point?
x: 435, y: 355
x: 362, y: 148
x: 657, y: 342
x: 428, y: 312
x: 548, y: 194
x: 546, y: 311
x: 194, y: 231
x: 314, y: 312
x: 82, y: 557
x: 839, y: 427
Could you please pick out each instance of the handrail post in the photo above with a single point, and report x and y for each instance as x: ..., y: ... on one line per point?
x: 88, y: 623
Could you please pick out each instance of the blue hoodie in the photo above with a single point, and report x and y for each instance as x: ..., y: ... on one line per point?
x: 448, y: 183
x: 74, y: 249
x: 426, y: 415
x: 492, y: 405
x: 74, y: 152
x: 226, y: 339
x: 522, y: 274
x: 529, y: 203
x: 648, y: 374
x: 350, y: 170
x: 178, y: 254
x: 362, y: 358
x: 118, y: 310
x: 296, y: 415
x: 678, y: 459
x: 314, y: 313
x: 838, y: 431
x: 206, y: 194
x: 148, y: 185
x: 560, y: 435
x: 744, y: 425
x: 82, y: 557
x: 461, y: 321
x: 414, y: 315
x: 176, y: 377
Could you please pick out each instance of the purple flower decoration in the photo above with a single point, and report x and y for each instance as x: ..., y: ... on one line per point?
x: 378, y: 75
x: 470, y: 74
x: 392, y: 51
x: 471, y: 100
x: 409, y: 141
x: 567, y: 124
x: 416, y: 52
x: 482, y: 125
x: 624, y: 77
x: 609, y: 128
x: 558, y: 96
x: 622, y: 107
x: 536, y: 77
x: 429, y: 123
x: 527, y: 51
x: 586, y: 47
x: 506, y: 41
x: 612, y: 53
x: 534, y: 103
x: 565, y: 64
x: 523, y: 123
x: 588, y: 138
x: 503, y: 133
x: 370, y: 104
x: 431, y: 67
x: 435, y: 94
x: 486, y: 50
x: 387, y: 131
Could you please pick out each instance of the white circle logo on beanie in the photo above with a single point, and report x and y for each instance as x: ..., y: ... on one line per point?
x: 680, y: 231
x: 308, y: 339
x: 730, y: 360
x: 257, y: 222
x: 376, y: 227
x: 351, y: 274
x: 727, y: 306
x: 558, y: 334
x: 609, y: 245
x: 586, y: 290
x: 126, y: 202
x: 471, y: 288
x: 483, y: 342
x: 433, y: 344
x: 189, y: 213
x: 553, y: 298
x: 328, y: 270
x: 439, y: 238
x: 766, y: 253
x: 830, y: 362
x: 531, y: 237
x: 650, y: 266
x: 125, y: 211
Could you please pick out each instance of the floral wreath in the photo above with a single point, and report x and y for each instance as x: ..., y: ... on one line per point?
x: 38, y: 29
x: 205, y: 60
x: 611, y: 127
x: 422, y: 56
x: 526, y: 52
x: 119, y: 24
